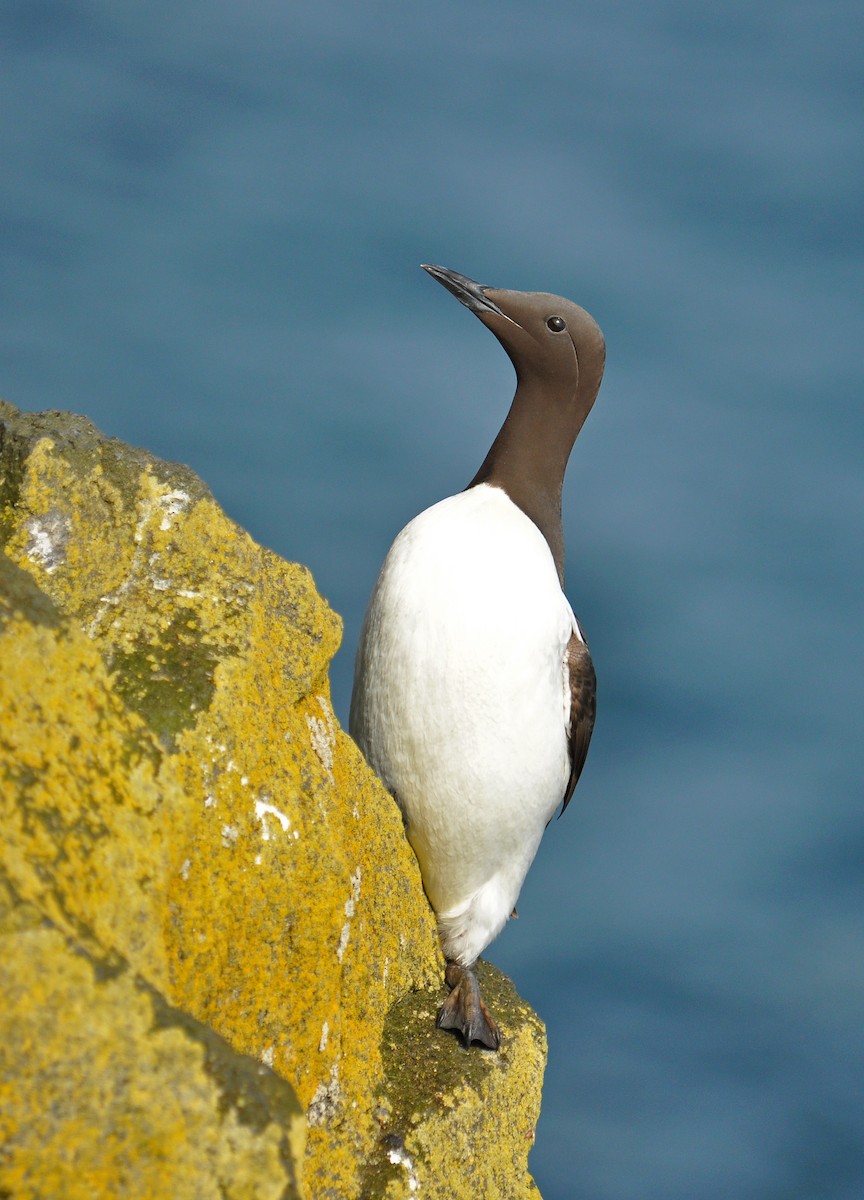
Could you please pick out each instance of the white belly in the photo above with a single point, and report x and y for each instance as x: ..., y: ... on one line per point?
x: 460, y: 706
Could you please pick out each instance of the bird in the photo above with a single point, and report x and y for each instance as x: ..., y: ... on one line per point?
x: 474, y: 692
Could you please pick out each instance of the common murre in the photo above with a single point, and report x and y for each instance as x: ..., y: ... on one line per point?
x: 474, y: 691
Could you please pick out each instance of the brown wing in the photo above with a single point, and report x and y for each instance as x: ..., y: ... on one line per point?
x: 583, y: 706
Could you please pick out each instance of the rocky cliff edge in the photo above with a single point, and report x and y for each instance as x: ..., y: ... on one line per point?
x: 220, y: 971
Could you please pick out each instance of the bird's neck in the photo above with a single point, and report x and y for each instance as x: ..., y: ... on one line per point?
x: 529, y: 457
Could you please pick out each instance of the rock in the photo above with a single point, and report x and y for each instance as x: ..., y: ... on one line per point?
x: 106, y: 1090
x: 439, y: 1102
x: 177, y: 799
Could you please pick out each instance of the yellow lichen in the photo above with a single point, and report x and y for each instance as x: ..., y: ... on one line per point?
x: 96, y: 1099
x: 175, y: 781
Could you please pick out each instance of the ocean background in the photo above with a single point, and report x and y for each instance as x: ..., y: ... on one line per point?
x: 212, y: 216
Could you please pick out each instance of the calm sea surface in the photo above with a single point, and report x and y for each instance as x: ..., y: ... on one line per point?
x: 211, y: 220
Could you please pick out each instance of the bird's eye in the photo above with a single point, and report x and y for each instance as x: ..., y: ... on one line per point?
x: 556, y: 324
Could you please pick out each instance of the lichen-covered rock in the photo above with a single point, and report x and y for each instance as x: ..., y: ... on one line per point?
x: 439, y: 1104
x: 106, y: 1090
x: 174, y: 783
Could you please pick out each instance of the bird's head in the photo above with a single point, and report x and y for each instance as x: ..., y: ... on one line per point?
x: 550, y: 341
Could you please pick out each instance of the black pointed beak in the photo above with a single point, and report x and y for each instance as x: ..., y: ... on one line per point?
x: 472, y: 295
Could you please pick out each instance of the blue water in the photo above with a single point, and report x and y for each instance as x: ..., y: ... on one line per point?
x: 212, y: 219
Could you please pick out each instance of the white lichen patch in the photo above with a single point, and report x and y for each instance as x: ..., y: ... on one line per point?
x: 229, y: 836
x: 400, y: 1157
x: 267, y: 1056
x: 350, y: 903
x: 325, y: 1034
x: 343, y: 940
x: 350, y: 906
x: 322, y: 733
x: 172, y: 505
x: 263, y: 811
x: 48, y: 538
x: 144, y: 512
x: 326, y: 1100
x: 184, y: 870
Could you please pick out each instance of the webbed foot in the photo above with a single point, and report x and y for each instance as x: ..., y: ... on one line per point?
x: 464, y: 1010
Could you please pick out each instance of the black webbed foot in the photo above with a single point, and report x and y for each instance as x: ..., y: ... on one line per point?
x: 464, y: 1010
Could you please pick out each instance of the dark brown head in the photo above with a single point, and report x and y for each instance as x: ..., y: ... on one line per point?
x: 558, y: 353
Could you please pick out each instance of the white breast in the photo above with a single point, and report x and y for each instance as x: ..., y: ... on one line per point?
x: 460, y: 704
